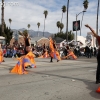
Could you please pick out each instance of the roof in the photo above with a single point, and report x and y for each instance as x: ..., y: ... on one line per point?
x: 37, y: 39
x: 58, y: 39
x: 1, y: 37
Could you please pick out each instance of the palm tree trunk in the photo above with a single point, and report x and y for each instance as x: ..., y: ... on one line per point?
x: 38, y: 31
x: 81, y: 23
x: 44, y: 27
x: 67, y: 22
x: 2, y: 17
x: 62, y: 17
x: 58, y: 30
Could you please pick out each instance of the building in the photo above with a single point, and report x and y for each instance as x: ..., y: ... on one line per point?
x: 59, y: 41
x: 90, y: 39
x: 2, y: 40
x: 40, y: 41
x: 20, y: 40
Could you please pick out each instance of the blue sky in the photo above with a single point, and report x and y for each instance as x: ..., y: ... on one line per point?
x: 31, y: 12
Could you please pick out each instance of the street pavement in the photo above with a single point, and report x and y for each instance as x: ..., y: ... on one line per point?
x: 64, y: 80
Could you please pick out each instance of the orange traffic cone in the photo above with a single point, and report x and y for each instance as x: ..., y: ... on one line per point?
x: 98, y: 90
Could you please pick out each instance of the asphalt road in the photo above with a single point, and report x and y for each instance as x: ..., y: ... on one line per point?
x: 65, y: 80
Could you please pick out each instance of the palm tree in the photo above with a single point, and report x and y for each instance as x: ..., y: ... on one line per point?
x: 10, y: 20
x: 28, y: 26
x: 24, y: 33
x: 63, y: 11
x: 58, y: 25
x: 85, y: 4
x: 38, y: 24
x: 61, y: 26
x: 45, y: 14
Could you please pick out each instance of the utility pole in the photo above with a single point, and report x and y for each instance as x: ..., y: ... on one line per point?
x: 67, y: 22
x: 97, y: 20
x: 2, y: 17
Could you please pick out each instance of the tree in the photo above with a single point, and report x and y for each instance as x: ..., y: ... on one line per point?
x: 63, y: 35
x: 70, y: 36
x: 24, y: 33
x: 10, y: 20
x: 28, y: 26
x: 7, y: 33
x: 2, y: 18
x: 58, y: 25
x: 85, y: 4
x: 38, y: 24
x: 45, y: 14
x: 61, y: 26
x: 63, y: 11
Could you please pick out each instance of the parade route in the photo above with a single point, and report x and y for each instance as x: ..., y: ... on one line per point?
x: 64, y: 80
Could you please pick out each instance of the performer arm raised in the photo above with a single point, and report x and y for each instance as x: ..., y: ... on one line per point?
x: 93, y: 32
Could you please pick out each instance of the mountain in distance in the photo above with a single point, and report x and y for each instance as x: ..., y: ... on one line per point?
x: 32, y: 33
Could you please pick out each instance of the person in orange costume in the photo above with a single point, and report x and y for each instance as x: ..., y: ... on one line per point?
x: 70, y: 54
x: 23, y: 62
x: 53, y: 50
x: 45, y: 55
x: 1, y: 55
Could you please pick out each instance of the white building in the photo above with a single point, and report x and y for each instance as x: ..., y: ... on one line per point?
x: 2, y: 39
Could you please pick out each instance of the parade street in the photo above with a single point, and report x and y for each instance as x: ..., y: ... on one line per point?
x: 64, y: 80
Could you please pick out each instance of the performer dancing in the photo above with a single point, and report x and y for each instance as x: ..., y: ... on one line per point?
x: 98, y: 55
x: 23, y: 62
x: 70, y: 54
x: 26, y: 40
x: 53, y: 51
x: 1, y: 55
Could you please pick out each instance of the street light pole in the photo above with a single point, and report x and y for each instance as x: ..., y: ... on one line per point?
x: 76, y: 27
x: 76, y: 22
x: 67, y: 22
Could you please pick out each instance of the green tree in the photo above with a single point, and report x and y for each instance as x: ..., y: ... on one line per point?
x: 2, y: 18
x: 63, y: 11
x: 63, y: 35
x: 10, y: 20
x: 58, y: 25
x: 7, y: 33
x: 61, y: 26
x: 28, y: 26
x: 45, y: 14
x: 24, y: 33
x: 38, y: 24
x: 85, y: 4
x: 70, y: 36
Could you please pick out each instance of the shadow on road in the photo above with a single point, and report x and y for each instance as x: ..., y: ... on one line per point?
x: 90, y: 84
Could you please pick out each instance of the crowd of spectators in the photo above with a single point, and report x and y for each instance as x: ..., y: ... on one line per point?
x: 18, y: 50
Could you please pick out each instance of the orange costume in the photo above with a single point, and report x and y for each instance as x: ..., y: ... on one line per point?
x: 45, y: 55
x: 70, y: 54
x: 1, y: 56
x: 24, y: 61
x: 53, y: 52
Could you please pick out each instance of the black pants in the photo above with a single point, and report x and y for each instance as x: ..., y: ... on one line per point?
x: 98, y: 66
x: 51, y: 59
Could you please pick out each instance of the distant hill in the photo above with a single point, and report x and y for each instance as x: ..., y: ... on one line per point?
x: 32, y: 33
